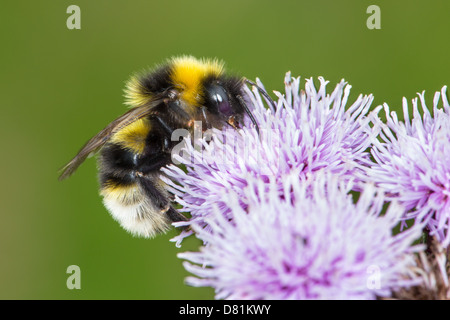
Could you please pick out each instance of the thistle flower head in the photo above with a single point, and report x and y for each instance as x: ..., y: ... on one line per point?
x: 309, y: 130
x: 314, y: 243
x: 432, y: 269
x: 412, y: 162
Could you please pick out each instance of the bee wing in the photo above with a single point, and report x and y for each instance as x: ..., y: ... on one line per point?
x: 96, y: 142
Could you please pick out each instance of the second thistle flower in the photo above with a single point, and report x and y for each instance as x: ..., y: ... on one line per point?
x: 308, y: 131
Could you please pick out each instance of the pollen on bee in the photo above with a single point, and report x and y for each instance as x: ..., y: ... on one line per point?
x: 191, y: 123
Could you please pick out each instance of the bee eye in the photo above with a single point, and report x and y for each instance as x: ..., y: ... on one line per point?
x: 218, y: 100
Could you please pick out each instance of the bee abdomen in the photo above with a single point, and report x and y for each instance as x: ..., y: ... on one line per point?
x: 129, y: 205
x: 130, y: 181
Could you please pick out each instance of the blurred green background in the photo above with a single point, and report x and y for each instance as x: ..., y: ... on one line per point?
x: 60, y: 86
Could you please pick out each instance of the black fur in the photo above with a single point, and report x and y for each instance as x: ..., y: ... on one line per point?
x: 116, y: 165
x: 158, y: 81
x: 119, y: 165
x: 218, y: 104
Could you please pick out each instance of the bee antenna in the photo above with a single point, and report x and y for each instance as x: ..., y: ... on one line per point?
x: 247, y: 110
x: 262, y: 91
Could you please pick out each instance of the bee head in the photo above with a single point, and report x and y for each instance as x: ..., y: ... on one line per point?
x: 223, y: 101
x: 217, y: 101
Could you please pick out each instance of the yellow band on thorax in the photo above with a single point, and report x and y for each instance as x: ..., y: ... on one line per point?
x: 188, y: 74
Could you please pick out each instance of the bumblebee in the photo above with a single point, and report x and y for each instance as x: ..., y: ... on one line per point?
x: 133, y: 148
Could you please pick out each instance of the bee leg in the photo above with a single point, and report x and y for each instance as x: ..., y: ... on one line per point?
x: 177, y: 108
x: 152, y: 191
x: 159, y: 199
x: 205, y: 116
x: 174, y: 215
x: 166, y: 128
x: 153, y: 164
